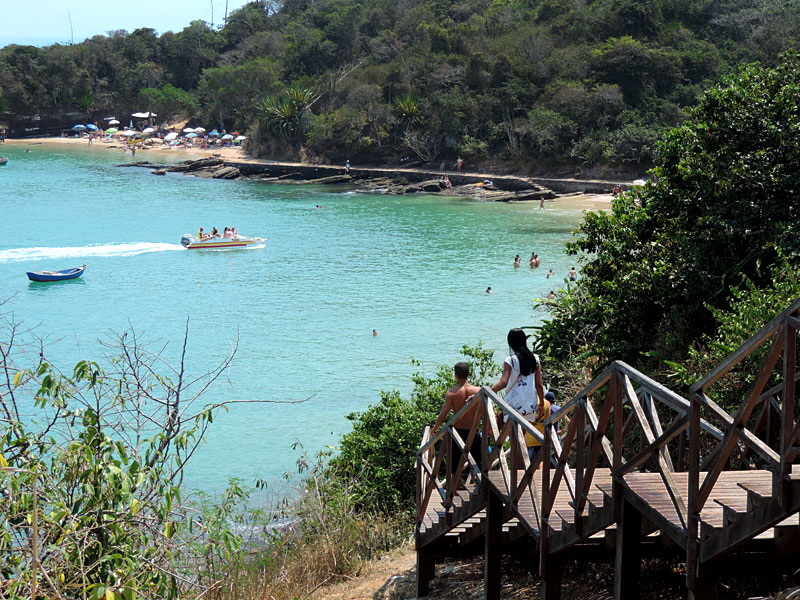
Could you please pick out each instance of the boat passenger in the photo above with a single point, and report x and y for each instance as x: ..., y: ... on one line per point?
x: 201, y: 235
x: 226, y: 234
x: 234, y: 233
x: 214, y: 232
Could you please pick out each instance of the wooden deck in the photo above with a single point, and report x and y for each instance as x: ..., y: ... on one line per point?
x: 634, y: 461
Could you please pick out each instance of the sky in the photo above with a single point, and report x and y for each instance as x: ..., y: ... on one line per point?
x: 43, y: 22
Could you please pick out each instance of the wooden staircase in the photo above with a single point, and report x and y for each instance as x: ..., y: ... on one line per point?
x: 635, y: 461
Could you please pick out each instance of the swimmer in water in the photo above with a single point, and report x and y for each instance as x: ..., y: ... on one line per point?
x: 374, y: 333
x: 516, y: 261
x: 489, y: 290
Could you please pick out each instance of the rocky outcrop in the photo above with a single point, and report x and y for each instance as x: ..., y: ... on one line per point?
x: 381, y: 181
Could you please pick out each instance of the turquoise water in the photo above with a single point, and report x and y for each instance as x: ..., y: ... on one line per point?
x: 303, y: 305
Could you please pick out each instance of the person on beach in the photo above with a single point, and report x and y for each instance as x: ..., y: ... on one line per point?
x: 454, y: 400
x: 3, y: 136
x: 541, y: 203
x: 459, y: 164
x: 522, y: 382
x: 441, y: 166
x: 516, y: 261
x: 573, y: 274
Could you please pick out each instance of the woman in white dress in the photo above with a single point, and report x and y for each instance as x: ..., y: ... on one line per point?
x: 522, y: 382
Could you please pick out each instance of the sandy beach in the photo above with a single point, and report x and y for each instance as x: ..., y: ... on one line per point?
x: 578, y: 202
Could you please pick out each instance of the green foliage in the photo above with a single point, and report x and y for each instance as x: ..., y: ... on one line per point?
x: 723, y: 203
x: 379, y: 454
x: 285, y: 114
x: 751, y: 307
x: 555, y: 82
x: 168, y: 101
x: 99, y: 474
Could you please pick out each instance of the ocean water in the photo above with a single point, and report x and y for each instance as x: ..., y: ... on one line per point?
x: 302, y: 305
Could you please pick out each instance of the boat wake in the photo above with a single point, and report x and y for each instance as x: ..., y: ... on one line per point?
x: 102, y: 250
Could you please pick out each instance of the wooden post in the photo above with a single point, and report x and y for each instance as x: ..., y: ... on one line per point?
x: 494, y: 534
x: 787, y: 426
x: 551, y: 580
x: 580, y: 498
x: 426, y: 571
x: 628, y: 561
x: 692, y: 527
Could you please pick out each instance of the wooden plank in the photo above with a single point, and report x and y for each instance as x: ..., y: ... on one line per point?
x: 787, y: 424
x: 657, y: 428
x: 742, y: 351
x: 600, y: 443
x: 590, y: 389
x: 580, y: 456
x: 758, y: 446
x: 494, y: 533
x: 665, y: 438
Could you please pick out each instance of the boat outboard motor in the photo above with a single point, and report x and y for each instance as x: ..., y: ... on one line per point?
x: 186, y: 240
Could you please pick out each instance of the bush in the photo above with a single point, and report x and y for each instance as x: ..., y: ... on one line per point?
x: 379, y: 454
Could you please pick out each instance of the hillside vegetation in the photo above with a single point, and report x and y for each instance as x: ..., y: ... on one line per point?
x: 527, y: 83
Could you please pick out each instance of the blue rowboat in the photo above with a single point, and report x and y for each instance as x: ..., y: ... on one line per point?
x: 61, y: 275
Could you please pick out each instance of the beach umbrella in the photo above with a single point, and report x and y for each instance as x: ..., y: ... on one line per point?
x: 128, y: 133
x: 241, y: 138
x: 191, y: 135
x: 227, y: 136
x: 113, y: 122
x: 79, y: 127
x: 215, y: 132
x: 170, y: 136
x: 188, y: 130
x: 148, y: 130
x: 112, y: 130
x: 199, y: 129
x: 92, y: 127
x: 143, y: 115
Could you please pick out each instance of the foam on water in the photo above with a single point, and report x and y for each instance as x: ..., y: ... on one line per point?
x: 102, y: 250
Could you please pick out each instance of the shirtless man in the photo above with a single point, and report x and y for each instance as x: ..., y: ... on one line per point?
x: 455, y: 399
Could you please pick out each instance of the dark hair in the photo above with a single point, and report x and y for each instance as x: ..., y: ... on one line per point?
x: 518, y: 342
x: 461, y: 369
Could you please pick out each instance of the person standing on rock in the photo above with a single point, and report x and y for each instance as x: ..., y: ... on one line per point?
x: 347, y: 166
x: 459, y: 164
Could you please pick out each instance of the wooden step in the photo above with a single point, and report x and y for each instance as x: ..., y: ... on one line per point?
x: 754, y: 498
x: 729, y: 513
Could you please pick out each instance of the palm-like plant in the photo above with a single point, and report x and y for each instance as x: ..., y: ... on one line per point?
x: 285, y: 113
x: 408, y: 110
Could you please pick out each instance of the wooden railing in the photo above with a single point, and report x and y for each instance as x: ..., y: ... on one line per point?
x: 626, y: 433
x: 763, y: 429
x: 502, y: 448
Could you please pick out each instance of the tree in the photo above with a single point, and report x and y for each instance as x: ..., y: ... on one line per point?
x: 99, y: 473
x: 723, y: 201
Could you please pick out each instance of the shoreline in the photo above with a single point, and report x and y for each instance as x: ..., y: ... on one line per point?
x: 233, y: 163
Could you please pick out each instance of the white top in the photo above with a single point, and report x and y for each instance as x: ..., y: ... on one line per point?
x: 521, y: 389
